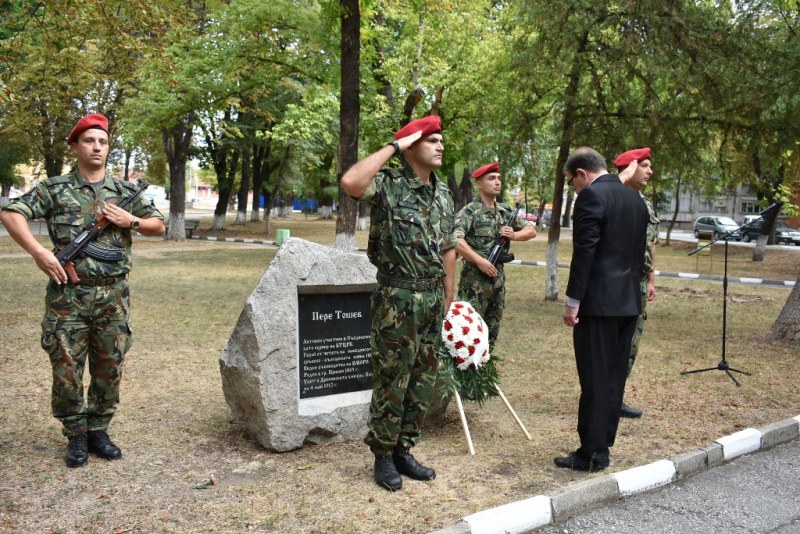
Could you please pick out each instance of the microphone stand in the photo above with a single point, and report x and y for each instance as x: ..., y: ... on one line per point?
x: 723, y: 364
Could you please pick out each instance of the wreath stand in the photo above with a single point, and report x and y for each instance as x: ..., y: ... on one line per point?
x: 465, y: 335
x: 463, y: 417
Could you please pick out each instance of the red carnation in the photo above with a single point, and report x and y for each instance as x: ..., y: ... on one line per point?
x: 465, y: 330
x: 471, y: 350
x: 449, y: 337
x: 460, y: 360
x: 477, y: 341
x: 458, y: 305
x: 480, y: 328
x: 448, y: 326
x: 469, y: 319
x: 459, y: 345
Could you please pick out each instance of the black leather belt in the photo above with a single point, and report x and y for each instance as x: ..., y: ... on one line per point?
x: 425, y: 284
x: 98, y: 281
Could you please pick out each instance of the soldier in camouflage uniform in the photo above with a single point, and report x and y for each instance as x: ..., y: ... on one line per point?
x: 411, y: 244
x: 478, y: 226
x: 86, y: 322
x: 637, y: 171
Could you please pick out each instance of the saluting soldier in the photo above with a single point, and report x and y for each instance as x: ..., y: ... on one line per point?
x: 636, y: 171
x: 411, y: 244
x: 85, y: 322
x: 478, y: 226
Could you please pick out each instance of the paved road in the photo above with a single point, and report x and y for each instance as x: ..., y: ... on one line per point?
x: 756, y: 493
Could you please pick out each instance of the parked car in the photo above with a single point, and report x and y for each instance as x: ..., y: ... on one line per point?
x: 528, y: 216
x: 783, y: 233
x: 716, y: 226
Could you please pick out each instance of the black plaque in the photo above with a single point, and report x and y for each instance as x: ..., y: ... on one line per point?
x: 333, y: 332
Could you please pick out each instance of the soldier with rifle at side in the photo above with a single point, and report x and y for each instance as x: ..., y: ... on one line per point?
x: 484, y: 229
x: 87, y: 304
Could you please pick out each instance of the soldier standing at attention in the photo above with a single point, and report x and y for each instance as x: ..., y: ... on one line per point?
x: 637, y: 170
x: 86, y: 322
x: 477, y: 228
x: 411, y: 244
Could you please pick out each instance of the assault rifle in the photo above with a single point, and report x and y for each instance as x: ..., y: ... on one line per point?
x: 497, y: 255
x: 84, y: 242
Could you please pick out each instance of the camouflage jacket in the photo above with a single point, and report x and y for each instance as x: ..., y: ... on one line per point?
x: 652, y: 235
x: 480, y: 225
x: 411, y: 224
x: 67, y: 203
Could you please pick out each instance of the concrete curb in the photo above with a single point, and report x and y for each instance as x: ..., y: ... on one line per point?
x: 571, y: 500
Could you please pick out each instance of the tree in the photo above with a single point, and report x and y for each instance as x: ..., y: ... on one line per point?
x: 787, y: 326
x: 349, y: 112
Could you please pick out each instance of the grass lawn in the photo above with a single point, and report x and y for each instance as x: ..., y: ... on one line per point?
x: 187, y: 467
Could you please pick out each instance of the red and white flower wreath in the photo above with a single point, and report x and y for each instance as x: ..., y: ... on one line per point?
x: 466, y: 336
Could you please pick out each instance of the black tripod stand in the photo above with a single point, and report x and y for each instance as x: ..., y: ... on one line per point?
x: 723, y: 364
x: 768, y: 215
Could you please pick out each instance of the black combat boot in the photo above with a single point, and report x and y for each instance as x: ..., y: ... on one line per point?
x: 102, y: 446
x: 77, y: 451
x: 386, y: 474
x: 409, y: 466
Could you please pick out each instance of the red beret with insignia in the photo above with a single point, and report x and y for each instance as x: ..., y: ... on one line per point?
x: 486, y: 169
x: 637, y: 154
x: 94, y: 120
x: 428, y: 125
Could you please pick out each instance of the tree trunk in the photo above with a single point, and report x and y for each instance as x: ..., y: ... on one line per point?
x: 554, y: 234
x: 566, y: 220
x: 767, y: 231
x: 787, y: 325
x: 177, y: 141
x: 674, y: 213
x: 244, y: 188
x: 225, y: 191
x: 349, y: 112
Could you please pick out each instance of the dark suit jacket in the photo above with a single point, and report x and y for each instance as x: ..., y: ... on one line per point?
x: 609, y: 225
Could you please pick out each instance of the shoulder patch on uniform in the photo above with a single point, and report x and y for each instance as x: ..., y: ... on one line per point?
x: 53, y: 180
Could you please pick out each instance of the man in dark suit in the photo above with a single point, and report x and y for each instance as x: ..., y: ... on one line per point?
x: 603, y: 299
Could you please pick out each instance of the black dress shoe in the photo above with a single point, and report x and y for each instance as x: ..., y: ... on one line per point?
x: 409, y: 466
x: 386, y: 474
x: 579, y: 463
x: 77, y: 451
x: 629, y: 411
x: 102, y: 446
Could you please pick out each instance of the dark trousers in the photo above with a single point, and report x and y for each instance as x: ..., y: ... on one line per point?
x: 602, y: 347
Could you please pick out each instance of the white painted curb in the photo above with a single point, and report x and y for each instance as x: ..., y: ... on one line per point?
x: 518, y: 516
x: 739, y: 443
x: 645, y: 477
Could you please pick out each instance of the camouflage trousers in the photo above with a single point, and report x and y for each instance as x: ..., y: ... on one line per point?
x: 86, y: 323
x: 637, y: 334
x: 487, y: 296
x: 405, y: 336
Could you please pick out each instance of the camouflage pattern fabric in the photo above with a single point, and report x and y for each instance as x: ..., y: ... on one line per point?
x: 652, y: 235
x: 651, y: 241
x: 68, y: 204
x: 84, y: 322
x: 480, y: 226
x: 411, y: 227
x: 405, y: 337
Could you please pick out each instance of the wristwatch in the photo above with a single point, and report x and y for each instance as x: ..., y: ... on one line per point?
x: 135, y: 224
x: 396, y: 146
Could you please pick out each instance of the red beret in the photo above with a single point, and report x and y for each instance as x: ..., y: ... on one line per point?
x: 637, y: 154
x: 95, y: 120
x: 485, y: 169
x: 428, y: 125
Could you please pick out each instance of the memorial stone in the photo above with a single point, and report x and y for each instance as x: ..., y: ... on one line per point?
x: 297, y: 367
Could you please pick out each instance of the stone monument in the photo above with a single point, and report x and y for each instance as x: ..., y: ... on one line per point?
x: 297, y: 367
